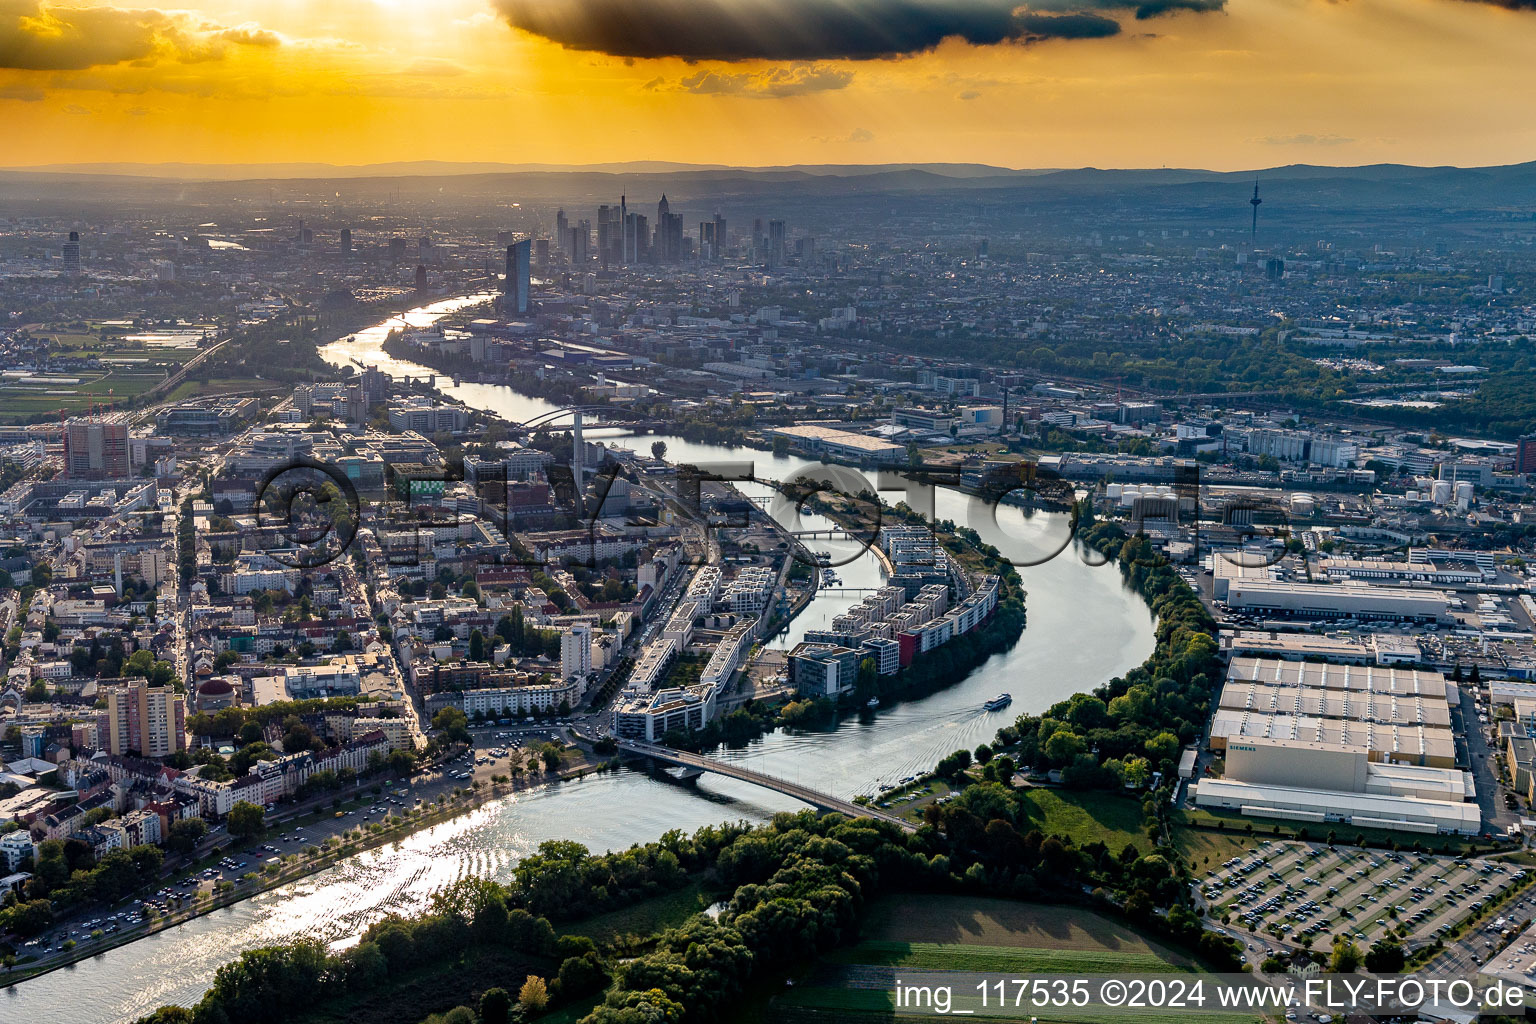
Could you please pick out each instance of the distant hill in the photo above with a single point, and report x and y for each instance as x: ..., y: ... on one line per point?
x: 442, y: 168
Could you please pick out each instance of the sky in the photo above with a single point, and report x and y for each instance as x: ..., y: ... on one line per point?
x: 1222, y: 84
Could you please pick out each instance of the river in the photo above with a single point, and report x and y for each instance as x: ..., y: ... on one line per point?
x: 1084, y: 627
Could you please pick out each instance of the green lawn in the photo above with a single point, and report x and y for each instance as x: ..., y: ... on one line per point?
x: 1087, y: 817
x: 1206, y: 849
x: 982, y: 936
x: 934, y: 956
x: 645, y: 917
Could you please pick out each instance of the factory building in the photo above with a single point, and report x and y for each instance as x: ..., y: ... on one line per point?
x: 1399, y: 715
x: 1255, y: 589
x: 1333, y: 783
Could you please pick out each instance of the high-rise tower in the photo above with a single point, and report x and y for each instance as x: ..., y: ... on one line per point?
x: 72, y: 255
x: 1254, y: 202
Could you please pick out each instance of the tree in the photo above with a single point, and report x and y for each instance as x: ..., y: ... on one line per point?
x: 495, y: 1006
x: 1163, y: 746
x: 186, y: 834
x: 534, y: 995
x: 453, y: 724
x: 1346, y: 956
x: 1385, y: 957
x: 476, y: 646
x: 247, y: 820
x: 659, y: 450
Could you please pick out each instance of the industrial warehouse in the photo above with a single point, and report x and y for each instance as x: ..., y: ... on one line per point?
x: 1263, y: 589
x: 1329, y: 782
x: 1367, y: 745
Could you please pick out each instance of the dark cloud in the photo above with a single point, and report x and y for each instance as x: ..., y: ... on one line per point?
x: 35, y: 36
x: 1153, y: 8
x: 732, y: 30
x: 1071, y: 25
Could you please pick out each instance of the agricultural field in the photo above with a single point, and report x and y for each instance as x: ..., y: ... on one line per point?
x: 72, y: 367
x: 24, y: 395
x: 962, y: 934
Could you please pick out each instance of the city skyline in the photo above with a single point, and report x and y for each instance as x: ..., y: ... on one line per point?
x: 1194, y: 83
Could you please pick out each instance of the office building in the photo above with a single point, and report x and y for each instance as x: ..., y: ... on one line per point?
x: 823, y: 670
x: 776, y: 239
x: 96, y: 450
x: 1525, y: 454
x: 519, y: 269
x: 72, y: 255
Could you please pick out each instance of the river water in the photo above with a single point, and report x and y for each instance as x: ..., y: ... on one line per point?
x: 1084, y: 627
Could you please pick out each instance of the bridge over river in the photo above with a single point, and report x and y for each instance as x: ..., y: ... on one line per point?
x: 816, y: 798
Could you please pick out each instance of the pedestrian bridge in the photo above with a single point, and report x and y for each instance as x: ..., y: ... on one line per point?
x: 817, y: 799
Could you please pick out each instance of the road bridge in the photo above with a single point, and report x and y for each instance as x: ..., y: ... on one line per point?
x: 817, y: 799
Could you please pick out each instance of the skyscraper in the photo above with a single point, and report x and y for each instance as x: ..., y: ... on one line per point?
x: 97, y: 451
x: 519, y: 260
x: 72, y: 255
x: 624, y: 232
x: 669, y: 233
x: 636, y: 235
x: 719, y: 250
x: 346, y: 240
x: 562, y: 225
x: 776, y: 238
x: 610, y: 231
x: 421, y: 278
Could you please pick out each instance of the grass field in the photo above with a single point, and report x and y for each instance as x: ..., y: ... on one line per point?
x: 1087, y: 817
x: 988, y: 936
x: 644, y: 917
x: 1205, y: 848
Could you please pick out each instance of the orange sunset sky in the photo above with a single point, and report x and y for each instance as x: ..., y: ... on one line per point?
x: 1209, y: 83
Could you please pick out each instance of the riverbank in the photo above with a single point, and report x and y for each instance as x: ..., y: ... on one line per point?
x: 297, y: 866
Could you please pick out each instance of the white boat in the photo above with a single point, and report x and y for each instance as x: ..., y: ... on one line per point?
x: 872, y: 703
x: 999, y: 702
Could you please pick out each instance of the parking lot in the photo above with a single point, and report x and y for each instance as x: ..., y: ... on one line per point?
x: 1305, y: 893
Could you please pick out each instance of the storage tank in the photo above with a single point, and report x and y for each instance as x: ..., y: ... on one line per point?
x: 1412, y: 495
x: 1163, y: 490
x: 1464, y: 489
x: 1129, y: 495
x: 1113, y: 492
x: 1441, y: 494
x: 1303, y: 504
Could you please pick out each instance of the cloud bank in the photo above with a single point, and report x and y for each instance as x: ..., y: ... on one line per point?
x: 736, y: 30
x: 35, y: 36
